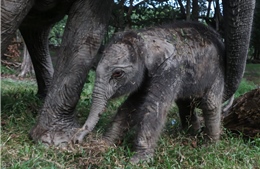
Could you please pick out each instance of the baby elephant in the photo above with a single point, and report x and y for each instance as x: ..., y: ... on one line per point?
x: 181, y: 63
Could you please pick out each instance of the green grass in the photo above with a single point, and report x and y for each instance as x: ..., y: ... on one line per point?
x: 175, y: 149
x: 252, y: 73
x: 244, y: 87
x: 7, y: 70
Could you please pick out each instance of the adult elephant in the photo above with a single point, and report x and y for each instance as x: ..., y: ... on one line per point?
x: 35, y: 18
x: 86, y: 23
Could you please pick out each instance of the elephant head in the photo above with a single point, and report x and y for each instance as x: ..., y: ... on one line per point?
x: 120, y: 71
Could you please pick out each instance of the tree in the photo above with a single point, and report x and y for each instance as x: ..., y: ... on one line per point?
x: 195, y: 10
x: 26, y: 66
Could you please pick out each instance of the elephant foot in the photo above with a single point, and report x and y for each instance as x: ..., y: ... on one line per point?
x: 141, y: 157
x: 195, y: 128
x: 60, y: 137
x: 212, y: 138
x: 79, y: 135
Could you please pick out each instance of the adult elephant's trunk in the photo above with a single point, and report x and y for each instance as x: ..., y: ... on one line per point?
x: 238, y: 17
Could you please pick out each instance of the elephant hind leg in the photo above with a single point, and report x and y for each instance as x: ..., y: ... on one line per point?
x: 189, y: 120
x: 12, y: 15
x: 36, y: 39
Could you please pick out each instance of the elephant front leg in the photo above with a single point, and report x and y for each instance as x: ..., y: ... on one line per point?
x: 153, y: 111
x: 211, y: 107
x: 82, y: 37
x: 125, y: 119
x: 36, y: 39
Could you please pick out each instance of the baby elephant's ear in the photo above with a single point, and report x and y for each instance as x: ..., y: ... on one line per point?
x: 157, y: 51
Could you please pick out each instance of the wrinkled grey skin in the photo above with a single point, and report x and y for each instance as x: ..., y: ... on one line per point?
x: 34, y: 24
x: 82, y: 37
x: 35, y: 18
x: 87, y: 21
x: 183, y: 63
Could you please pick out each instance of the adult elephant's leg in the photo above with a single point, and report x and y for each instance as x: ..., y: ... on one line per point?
x: 36, y: 39
x: 12, y: 14
x: 82, y: 37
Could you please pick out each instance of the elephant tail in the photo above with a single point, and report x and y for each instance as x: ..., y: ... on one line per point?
x: 238, y: 17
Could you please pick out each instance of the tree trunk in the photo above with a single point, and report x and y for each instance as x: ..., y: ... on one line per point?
x: 195, y: 10
x: 209, y: 7
x: 244, y: 115
x: 183, y: 13
x: 26, y: 67
x: 188, y: 10
x: 217, y: 15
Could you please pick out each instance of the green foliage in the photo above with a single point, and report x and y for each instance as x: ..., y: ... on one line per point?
x: 86, y: 95
x: 142, y: 14
x: 252, y: 73
x: 244, y: 87
x: 57, y: 31
x: 146, y: 16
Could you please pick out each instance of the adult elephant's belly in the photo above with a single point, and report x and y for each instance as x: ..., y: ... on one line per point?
x: 47, y: 12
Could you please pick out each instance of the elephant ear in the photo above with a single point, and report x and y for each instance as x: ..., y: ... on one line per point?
x: 157, y: 51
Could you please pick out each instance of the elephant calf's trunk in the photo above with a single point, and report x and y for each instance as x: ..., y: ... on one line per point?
x: 96, y: 111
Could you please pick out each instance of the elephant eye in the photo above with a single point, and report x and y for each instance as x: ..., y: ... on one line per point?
x: 117, y: 74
